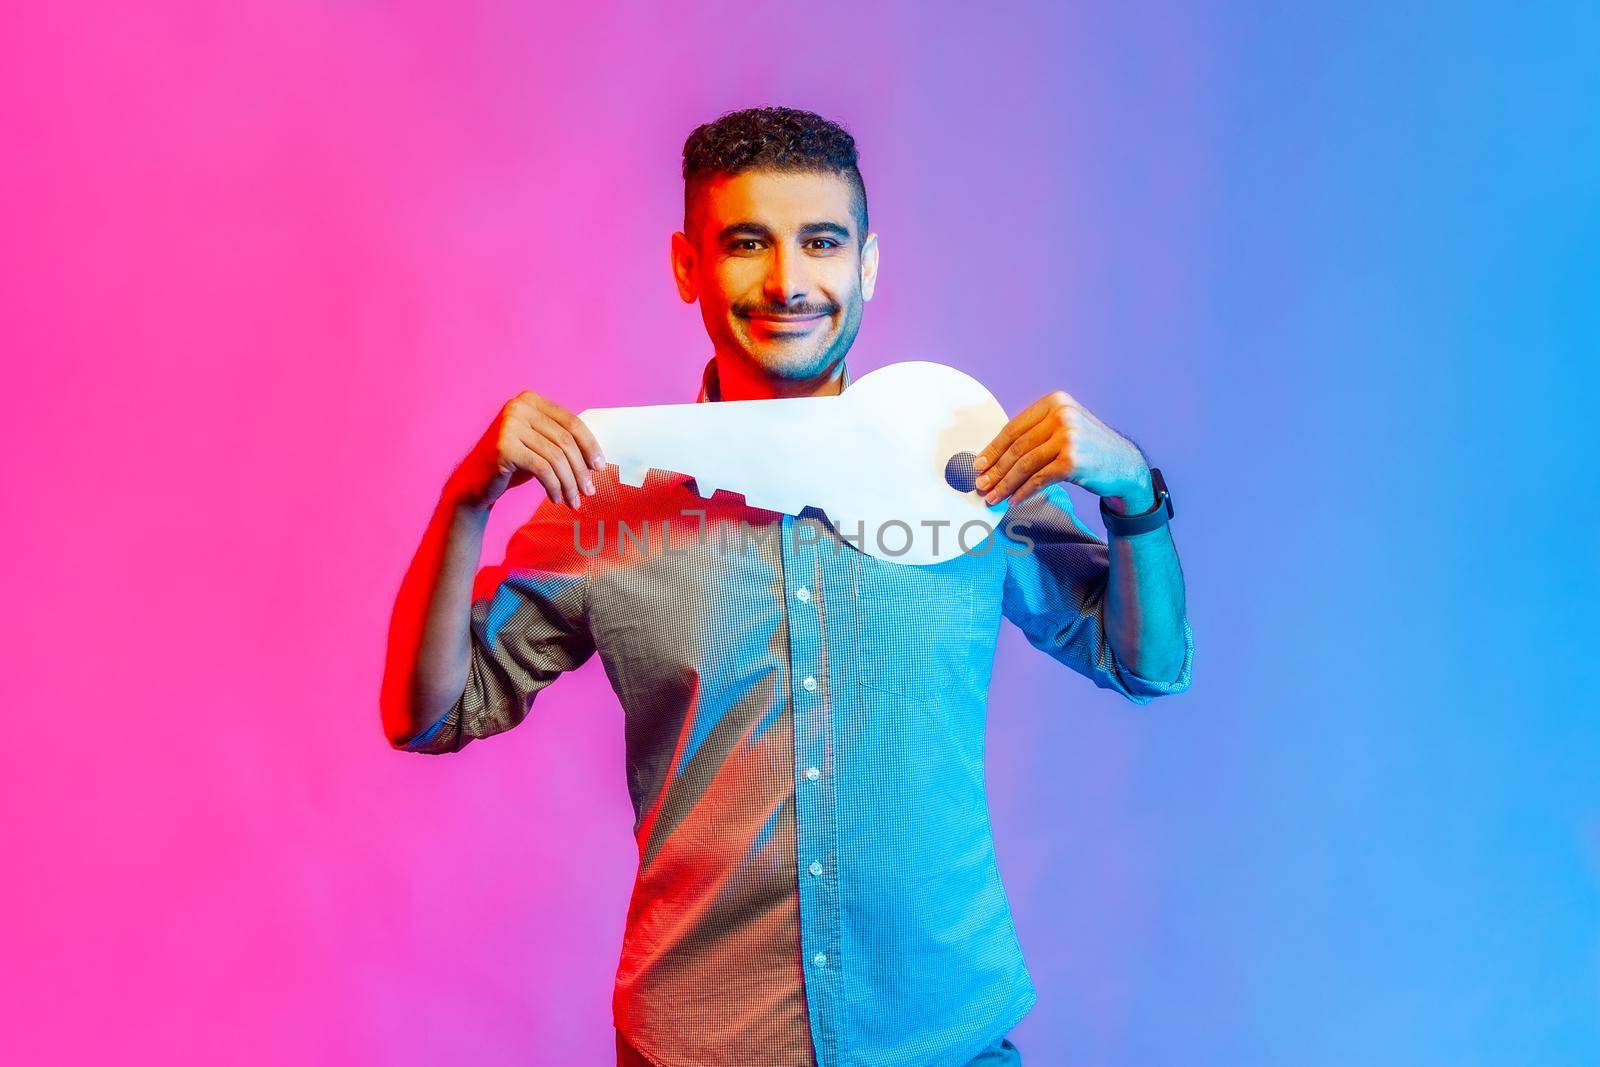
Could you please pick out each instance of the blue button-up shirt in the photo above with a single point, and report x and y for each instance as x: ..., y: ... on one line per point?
x: 805, y: 734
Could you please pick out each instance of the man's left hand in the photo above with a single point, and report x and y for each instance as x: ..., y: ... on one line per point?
x: 1057, y: 439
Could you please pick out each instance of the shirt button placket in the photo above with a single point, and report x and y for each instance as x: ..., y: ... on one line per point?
x: 814, y: 804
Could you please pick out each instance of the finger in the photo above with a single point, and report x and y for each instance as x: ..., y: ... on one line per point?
x: 527, y: 459
x: 554, y: 431
x: 1002, y: 440
x: 1012, y: 430
x: 1042, y: 431
x: 1020, y: 472
x: 557, y: 459
x: 1053, y: 471
x: 574, y: 425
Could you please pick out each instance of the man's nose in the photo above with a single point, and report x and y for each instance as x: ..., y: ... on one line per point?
x: 785, y: 281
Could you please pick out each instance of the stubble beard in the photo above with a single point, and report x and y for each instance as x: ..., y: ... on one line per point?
x: 800, y: 362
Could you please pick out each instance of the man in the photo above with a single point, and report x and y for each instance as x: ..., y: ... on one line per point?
x: 804, y: 722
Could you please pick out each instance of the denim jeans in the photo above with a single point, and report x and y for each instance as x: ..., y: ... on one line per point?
x: 1000, y: 1054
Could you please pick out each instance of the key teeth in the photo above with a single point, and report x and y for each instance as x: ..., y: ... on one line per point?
x: 763, y: 502
x: 634, y: 474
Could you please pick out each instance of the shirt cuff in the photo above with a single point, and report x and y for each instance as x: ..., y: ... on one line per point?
x: 1142, y: 690
x: 427, y: 735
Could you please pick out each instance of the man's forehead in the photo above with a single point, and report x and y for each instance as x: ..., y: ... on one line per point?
x: 779, y: 199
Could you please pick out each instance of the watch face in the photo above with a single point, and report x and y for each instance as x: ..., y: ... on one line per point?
x: 1158, y: 482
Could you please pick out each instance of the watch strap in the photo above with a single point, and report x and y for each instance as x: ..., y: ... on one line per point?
x: 1145, y: 521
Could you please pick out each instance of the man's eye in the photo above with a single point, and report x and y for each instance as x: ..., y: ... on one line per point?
x: 749, y: 244
x: 825, y: 242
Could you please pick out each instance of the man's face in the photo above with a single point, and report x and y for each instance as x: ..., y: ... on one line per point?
x: 778, y: 269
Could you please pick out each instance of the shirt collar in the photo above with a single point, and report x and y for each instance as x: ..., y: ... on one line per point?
x: 711, y: 386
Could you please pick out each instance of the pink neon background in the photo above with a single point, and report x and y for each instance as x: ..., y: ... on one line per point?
x: 276, y: 268
x: 268, y: 272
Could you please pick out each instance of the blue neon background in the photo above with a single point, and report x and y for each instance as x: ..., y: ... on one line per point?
x: 270, y: 269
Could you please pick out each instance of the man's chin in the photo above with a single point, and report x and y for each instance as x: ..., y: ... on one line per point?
x: 796, y: 366
x: 788, y: 359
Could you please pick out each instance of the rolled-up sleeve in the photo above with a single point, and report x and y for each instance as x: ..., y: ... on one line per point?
x: 529, y: 625
x: 1055, y: 593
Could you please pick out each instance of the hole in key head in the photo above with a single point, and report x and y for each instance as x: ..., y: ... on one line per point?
x: 961, y: 472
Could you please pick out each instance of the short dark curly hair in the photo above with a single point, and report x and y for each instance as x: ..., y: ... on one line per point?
x: 770, y: 138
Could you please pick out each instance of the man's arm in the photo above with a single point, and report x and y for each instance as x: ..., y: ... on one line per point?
x: 1145, y: 610
x: 430, y: 645
x: 527, y: 624
x: 1058, y: 592
x: 1128, y: 595
x: 460, y: 667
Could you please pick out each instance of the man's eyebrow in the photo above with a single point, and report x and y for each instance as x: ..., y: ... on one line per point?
x: 810, y: 229
x: 753, y: 228
x: 824, y: 229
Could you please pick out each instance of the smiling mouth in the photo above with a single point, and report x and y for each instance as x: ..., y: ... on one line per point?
x: 785, y: 327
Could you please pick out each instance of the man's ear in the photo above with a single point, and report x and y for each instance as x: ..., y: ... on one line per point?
x: 869, y: 265
x: 683, y: 260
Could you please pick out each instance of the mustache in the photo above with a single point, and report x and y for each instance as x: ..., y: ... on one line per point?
x: 781, y: 311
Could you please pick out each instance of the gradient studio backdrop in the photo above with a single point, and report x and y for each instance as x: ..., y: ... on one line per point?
x: 269, y: 270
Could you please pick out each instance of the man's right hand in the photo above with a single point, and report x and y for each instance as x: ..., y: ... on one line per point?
x: 532, y: 437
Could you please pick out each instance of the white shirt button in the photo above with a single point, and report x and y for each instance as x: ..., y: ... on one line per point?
x: 813, y: 774
x: 803, y: 594
x: 815, y: 868
x: 820, y: 958
x: 809, y: 682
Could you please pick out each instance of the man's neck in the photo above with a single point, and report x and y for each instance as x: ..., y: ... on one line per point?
x: 737, y: 379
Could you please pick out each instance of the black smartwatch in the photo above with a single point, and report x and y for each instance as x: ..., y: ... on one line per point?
x: 1159, y: 513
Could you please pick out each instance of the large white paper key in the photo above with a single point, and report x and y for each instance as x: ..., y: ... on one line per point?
x: 889, y: 460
